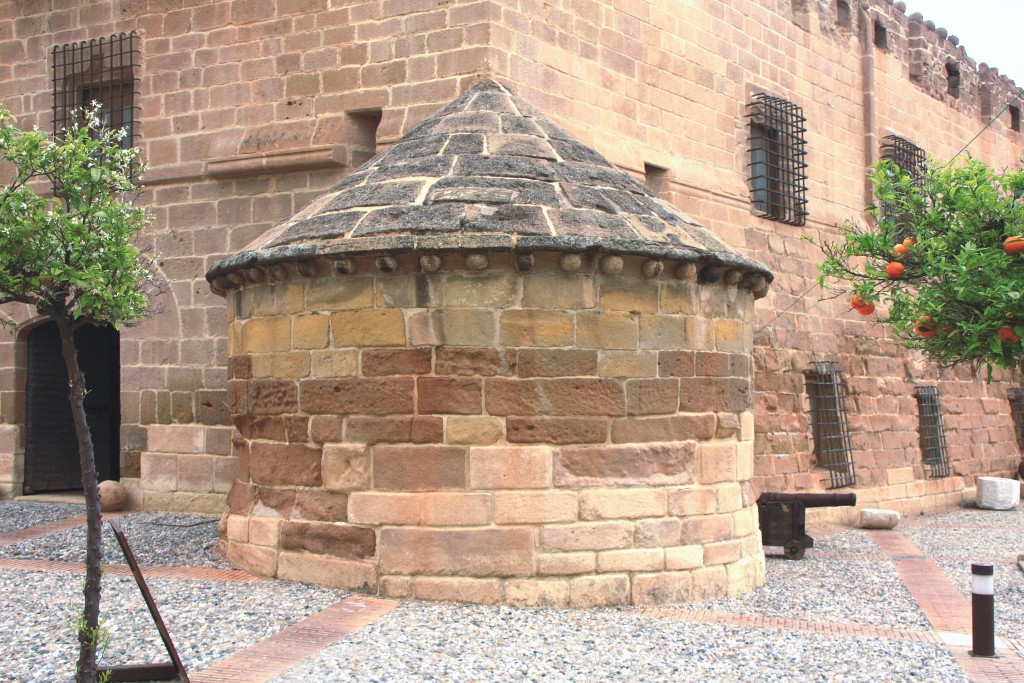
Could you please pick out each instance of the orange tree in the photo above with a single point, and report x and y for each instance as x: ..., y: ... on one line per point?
x: 67, y: 250
x: 943, y: 253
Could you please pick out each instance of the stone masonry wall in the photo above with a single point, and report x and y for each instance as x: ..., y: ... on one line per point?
x: 249, y: 108
x: 576, y: 435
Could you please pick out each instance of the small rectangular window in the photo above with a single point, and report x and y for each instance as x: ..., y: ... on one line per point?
x: 833, y: 447
x: 655, y: 177
x: 778, y: 179
x: 953, y: 79
x: 100, y: 70
x: 932, y: 433
x: 1014, y: 118
x: 843, y: 14
x: 881, y: 36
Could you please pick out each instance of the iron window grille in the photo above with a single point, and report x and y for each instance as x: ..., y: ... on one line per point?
x: 906, y: 156
x: 778, y: 178
x: 1017, y: 413
x: 833, y: 447
x: 99, y: 70
x: 932, y: 432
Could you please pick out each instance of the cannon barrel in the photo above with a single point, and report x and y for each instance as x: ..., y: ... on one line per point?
x: 810, y: 500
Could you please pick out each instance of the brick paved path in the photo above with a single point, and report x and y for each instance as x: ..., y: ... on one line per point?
x: 947, y: 610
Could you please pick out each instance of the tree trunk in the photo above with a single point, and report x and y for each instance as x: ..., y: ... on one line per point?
x: 88, y: 626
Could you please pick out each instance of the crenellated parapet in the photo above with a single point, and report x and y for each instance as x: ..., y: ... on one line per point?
x: 935, y: 60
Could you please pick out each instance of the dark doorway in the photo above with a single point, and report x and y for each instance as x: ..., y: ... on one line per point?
x: 51, y: 449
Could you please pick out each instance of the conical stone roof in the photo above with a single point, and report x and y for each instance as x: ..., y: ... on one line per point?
x: 488, y: 173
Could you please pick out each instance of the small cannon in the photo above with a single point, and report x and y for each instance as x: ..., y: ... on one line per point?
x: 783, y: 521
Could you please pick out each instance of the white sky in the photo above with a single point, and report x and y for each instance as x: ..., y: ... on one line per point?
x: 991, y: 31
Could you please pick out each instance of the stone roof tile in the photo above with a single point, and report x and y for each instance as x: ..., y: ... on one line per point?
x: 488, y: 172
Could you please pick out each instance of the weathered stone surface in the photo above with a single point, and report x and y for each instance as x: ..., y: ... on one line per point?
x: 556, y: 430
x: 317, y: 505
x: 327, y: 571
x: 444, y: 552
x: 873, y: 518
x: 599, y: 591
x: 577, y: 396
x: 394, y: 429
x: 658, y: 464
x: 345, y: 467
x: 997, y: 493
x: 536, y: 593
x: 341, y: 540
x: 664, y: 588
x: 419, y: 468
x: 369, y: 396
x: 289, y: 464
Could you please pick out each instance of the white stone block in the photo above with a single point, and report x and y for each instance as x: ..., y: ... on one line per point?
x: 997, y: 493
x: 874, y: 518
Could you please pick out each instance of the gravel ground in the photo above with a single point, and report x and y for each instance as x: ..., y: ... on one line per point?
x: 844, y: 579
x: 448, y: 643
x: 171, y: 539
x: 208, y: 620
x: 16, y: 516
x: 818, y: 589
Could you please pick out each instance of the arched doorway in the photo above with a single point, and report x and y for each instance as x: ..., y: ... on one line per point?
x: 51, y: 449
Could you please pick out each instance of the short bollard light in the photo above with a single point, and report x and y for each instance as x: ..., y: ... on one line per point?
x: 982, y: 610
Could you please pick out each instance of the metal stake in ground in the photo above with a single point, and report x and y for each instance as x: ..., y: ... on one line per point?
x: 146, y: 672
x: 983, y: 610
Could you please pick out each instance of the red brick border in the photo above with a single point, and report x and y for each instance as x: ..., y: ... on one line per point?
x: 802, y: 625
x: 295, y: 643
x: 150, y: 572
x: 42, y: 530
x: 946, y: 608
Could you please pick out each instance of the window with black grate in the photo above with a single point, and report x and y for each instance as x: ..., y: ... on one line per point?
x: 1017, y: 414
x: 932, y: 433
x: 778, y: 178
x: 906, y: 155
x: 830, y: 425
x: 100, y: 70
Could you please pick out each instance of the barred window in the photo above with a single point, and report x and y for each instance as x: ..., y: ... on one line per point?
x: 99, y: 70
x: 833, y: 447
x: 906, y: 155
x: 778, y: 181
x: 932, y: 432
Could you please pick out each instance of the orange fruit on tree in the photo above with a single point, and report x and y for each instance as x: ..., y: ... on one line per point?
x: 1013, y: 245
x: 925, y: 327
x: 1007, y: 334
x: 866, y: 309
x: 858, y: 302
x: 895, y: 270
x: 910, y: 241
x: 900, y: 250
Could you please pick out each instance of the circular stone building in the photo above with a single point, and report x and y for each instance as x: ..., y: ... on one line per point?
x: 488, y: 366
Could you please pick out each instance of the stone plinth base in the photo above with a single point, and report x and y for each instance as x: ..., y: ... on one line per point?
x: 996, y: 493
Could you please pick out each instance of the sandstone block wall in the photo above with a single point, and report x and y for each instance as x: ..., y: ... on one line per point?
x: 248, y: 110
x: 556, y: 437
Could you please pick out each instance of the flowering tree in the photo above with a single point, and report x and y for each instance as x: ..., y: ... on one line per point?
x: 71, y: 257
x: 944, y: 254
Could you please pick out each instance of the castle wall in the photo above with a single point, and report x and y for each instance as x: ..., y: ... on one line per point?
x: 248, y: 109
